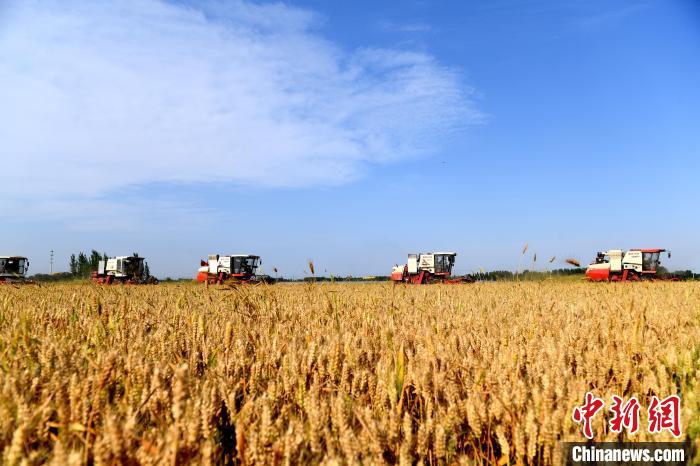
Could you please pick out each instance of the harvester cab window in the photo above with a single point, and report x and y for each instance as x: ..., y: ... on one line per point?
x: 139, y: 269
x: 133, y: 266
x: 245, y: 266
x: 240, y: 265
x: 443, y: 263
x: 650, y: 260
x: 12, y: 265
x: 251, y: 265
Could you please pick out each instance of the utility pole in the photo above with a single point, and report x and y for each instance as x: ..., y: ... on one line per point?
x: 51, y: 262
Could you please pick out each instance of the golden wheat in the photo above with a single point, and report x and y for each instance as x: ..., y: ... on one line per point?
x: 334, y: 373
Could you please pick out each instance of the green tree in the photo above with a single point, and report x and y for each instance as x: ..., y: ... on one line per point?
x: 83, y: 265
x: 73, y: 265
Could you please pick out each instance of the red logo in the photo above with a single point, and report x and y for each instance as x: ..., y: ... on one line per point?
x: 625, y: 415
x: 586, y: 412
x: 665, y: 415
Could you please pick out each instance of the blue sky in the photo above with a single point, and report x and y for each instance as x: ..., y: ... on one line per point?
x: 350, y: 133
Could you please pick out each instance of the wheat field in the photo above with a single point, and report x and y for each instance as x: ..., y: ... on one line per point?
x: 334, y: 373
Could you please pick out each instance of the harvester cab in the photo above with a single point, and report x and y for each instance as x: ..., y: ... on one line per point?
x: 634, y: 265
x: 429, y: 267
x: 238, y: 268
x: 122, y: 269
x: 13, y: 269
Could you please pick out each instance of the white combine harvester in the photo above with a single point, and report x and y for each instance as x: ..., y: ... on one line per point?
x: 13, y: 269
x: 428, y: 267
x: 234, y: 268
x: 618, y: 266
x: 128, y: 270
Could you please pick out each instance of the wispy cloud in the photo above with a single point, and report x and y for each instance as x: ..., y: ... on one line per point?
x: 99, y: 95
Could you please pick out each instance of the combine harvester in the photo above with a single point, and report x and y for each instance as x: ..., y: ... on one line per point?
x: 126, y: 270
x: 233, y: 269
x: 618, y: 266
x: 428, y: 267
x: 13, y: 269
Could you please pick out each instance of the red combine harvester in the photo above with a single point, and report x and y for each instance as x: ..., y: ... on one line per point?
x: 428, y: 267
x: 618, y: 266
x: 126, y: 270
x: 13, y: 269
x: 236, y: 268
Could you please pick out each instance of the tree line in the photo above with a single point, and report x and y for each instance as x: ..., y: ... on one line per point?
x: 82, y: 265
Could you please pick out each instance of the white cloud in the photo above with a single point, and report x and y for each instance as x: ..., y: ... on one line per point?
x: 99, y: 95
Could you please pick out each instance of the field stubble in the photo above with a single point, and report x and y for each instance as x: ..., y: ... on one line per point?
x: 336, y: 373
